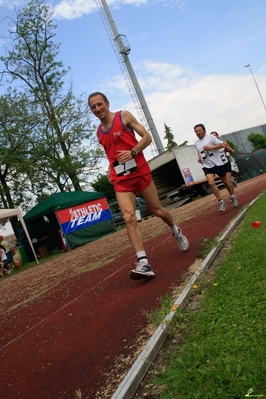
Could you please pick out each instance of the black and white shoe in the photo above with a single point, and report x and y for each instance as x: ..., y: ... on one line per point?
x: 234, y: 181
x: 182, y: 241
x: 142, y: 271
x: 222, y: 206
x: 234, y: 201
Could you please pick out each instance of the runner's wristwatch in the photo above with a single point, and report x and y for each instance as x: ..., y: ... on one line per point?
x: 133, y: 153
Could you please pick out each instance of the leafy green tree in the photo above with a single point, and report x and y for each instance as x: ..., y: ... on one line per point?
x: 233, y: 145
x: 15, y: 126
x: 57, y: 146
x: 18, y: 171
x: 16, y: 123
x: 258, y: 140
x: 169, y: 137
x: 101, y: 184
x: 183, y: 144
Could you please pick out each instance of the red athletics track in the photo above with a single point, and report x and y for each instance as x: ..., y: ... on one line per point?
x: 63, y: 326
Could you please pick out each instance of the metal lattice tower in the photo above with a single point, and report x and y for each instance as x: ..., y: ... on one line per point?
x: 122, y: 49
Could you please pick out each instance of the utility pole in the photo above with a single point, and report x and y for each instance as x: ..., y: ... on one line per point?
x: 256, y: 84
x: 122, y: 49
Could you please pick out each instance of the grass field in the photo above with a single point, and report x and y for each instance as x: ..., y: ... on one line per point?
x: 221, y: 350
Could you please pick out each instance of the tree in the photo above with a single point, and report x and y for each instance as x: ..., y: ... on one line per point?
x: 183, y: 144
x: 57, y: 146
x: 16, y: 123
x: 169, y: 137
x: 102, y: 185
x: 258, y: 140
x: 233, y: 145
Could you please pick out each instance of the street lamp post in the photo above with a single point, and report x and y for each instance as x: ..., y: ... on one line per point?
x: 248, y: 66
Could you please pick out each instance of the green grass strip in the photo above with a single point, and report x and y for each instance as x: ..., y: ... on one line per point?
x: 223, y: 350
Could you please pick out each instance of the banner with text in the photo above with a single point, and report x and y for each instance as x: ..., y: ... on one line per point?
x: 84, y: 215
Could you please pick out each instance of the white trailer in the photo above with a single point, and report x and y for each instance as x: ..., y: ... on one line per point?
x: 177, y: 174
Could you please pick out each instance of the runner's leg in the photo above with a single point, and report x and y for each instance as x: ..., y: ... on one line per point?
x: 212, y: 185
x: 151, y: 197
x: 127, y: 204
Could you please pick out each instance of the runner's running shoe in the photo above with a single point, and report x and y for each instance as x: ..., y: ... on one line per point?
x: 222, y: 206
x: 234, y: 181
x: 234, y: 201
x: 142, y: 271
x: 182, y: 241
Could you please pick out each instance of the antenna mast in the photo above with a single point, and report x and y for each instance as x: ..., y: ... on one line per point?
x: 122, y: 49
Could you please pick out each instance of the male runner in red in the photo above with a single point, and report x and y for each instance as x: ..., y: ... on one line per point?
x: 130, y: 174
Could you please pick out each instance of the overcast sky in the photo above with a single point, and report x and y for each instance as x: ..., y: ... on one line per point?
x: 188, y: 56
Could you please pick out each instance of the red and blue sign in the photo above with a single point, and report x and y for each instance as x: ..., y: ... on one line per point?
x: 188, y: 176
x: 83, y: 215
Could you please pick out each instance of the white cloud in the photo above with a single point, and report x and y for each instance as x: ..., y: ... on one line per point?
x: 72, y: 9
x: 182, y: 98
x: 11, y: 3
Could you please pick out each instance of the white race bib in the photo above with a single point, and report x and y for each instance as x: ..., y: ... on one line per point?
x: 122, y: 169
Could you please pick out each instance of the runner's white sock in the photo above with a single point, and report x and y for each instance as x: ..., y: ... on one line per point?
x: 175, y: 230
x: 141, y: 255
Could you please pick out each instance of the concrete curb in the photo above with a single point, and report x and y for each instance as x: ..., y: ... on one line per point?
x: 136, y: 374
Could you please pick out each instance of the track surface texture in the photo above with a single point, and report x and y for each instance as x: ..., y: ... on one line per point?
x: 77, y: 321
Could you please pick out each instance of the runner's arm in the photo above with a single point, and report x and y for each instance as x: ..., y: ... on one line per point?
x: 131, y: 122
x: 228, y: 148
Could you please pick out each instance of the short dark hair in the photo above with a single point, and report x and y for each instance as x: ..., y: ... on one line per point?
x: 97, y: 93
x: 200, y: 125
x: 215, y: 133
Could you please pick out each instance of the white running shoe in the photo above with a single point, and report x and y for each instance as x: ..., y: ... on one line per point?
x: 142, y: 271
x: 222, y: 206
x: 182, y: 241
x: 234, y: 181
x: 234, y: 201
